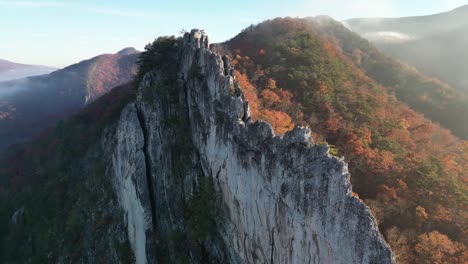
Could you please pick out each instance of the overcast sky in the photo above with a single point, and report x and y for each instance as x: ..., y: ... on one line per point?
x: 59, y: 33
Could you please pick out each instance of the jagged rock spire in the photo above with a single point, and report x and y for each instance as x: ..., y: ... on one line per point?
x: 285, y: 199
x: 197, y: 38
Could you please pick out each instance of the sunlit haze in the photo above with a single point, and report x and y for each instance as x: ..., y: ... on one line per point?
x: 59, y: 33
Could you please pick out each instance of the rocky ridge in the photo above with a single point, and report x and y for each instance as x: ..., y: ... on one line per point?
x: 279, y: 199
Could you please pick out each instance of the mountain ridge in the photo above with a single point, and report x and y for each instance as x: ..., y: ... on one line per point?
x: 434, y: 44
x: 11, y: 70
x: 4, y: 64
x: 31, y: 104
x: 436, y: 99
x: 187, y: 133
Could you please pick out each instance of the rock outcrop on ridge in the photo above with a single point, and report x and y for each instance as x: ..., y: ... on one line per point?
x: 188, y: 143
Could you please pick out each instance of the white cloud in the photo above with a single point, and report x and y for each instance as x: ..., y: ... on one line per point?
x: 388, y: 36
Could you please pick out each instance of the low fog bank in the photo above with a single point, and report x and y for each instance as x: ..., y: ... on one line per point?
x: 388, y: 36
x: 9, y: 88
x: 24, y: 72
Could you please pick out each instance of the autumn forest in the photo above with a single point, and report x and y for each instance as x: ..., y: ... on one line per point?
x: 410, y: 170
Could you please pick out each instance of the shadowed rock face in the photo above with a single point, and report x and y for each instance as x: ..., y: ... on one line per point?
x: 283, y: 199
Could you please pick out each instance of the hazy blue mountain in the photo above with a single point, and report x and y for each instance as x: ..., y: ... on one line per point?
x: 11, y: 70
x: 31, y: 104
x: 434, y: 44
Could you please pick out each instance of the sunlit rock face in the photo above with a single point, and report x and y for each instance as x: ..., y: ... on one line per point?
x: 282, y: 199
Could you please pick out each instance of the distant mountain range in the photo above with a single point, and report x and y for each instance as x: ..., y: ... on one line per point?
x: 11, y: 70
x: 434, y: 44
x: 31, y: 104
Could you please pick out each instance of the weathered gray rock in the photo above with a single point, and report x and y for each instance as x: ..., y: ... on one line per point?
x: 128, y: 170
x: 284, y: 199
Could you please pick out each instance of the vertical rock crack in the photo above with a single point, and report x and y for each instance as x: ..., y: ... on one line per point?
x: 149, y: 179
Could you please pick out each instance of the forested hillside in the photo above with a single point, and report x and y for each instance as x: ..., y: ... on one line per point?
x: 49, y: 185
x: 29, y: 105
x: 409, y: 170
x: 435, y: 99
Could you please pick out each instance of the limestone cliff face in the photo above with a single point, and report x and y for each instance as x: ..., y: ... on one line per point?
x: 279, y: 199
